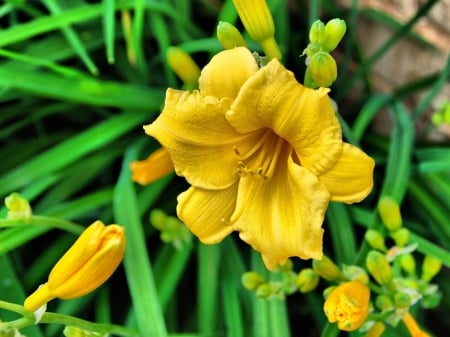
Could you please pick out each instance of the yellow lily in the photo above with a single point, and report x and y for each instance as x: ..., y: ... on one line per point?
x: 264, y: 156
x: 84, y: 267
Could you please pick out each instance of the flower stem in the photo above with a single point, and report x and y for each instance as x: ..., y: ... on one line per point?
x: 45, y: 221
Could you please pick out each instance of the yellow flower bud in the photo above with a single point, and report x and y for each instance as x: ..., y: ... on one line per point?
x: 390, y: 213
x: 408, y: 263
x: 379, y: 267
x: 90, y: 261
x: 229, y: 37
x: 384, y: 303
x: 307, y: 280
x: 258, y: 22
x: 327, y: 269
x: 334, y: 31
x: 251, y: 280
x: 430, y: 267
x: 348, y: 305
x: 323, y: 69
x: 400, y: 236
x: 375, y: 239
x: 412, y: 326
x: 376, y: 330
x: 317, y: 32
x: 18, y: 207
x: 183, y: 65
x: 156, y: 166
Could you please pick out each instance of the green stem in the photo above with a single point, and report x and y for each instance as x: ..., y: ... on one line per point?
x: 45, y: 221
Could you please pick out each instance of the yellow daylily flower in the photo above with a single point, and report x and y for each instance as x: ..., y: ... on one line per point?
x: 88, y: 263
x: 264, y: 156
x: 412, y: 326
x: 155, y: 166
x: 348, y: 305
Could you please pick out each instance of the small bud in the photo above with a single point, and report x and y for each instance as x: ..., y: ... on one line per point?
x: 390, y: 213
x: 430, y: 267
x: 307, y: 280
x: 376, y: 330
x: 317, y: 32
x: 158, y: 218
x: 408, y: 264
x: 228, y: 36
x: 251, y: 280
x: 375, y: 240
x: 379, y: 267
x: 18, y: 207
x: 400, y: 236
x: 286, y: 267
x: 327, y: 269
x: 73, y: 331
x: 348, y: 305
x: 355, y: 273
x: 384, y: 303
x: 402, y: 300
x: 334, y: 32
x: 90, y: 261
x: 264, y: 291
x: 323, y: 69
x: 183, y: 65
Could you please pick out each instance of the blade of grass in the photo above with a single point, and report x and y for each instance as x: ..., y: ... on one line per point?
x: 138, y: 269
x: 109, y: 27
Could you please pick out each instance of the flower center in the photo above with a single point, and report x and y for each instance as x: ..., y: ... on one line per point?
x: 261, y: 158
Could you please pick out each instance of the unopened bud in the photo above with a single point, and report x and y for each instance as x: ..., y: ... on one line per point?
x: 323, y: 69
x: 430, y: 267
x: 317, y: 32
x: 252, y: 280
x: 334, y: 32
x: 158, y: 218
x: 327, y: 269
x: 384, y: 303
x: 264, y: 291
x: 390, y: 213
x: 400, y: 236
x: 183, y: 65
x: 307, y: 280
x: 18, y: 207
x: 229, y: 36
x: 375, y: 239
x: 355, y: 273
x: 408, y: 263
x: 402, y: 300
x: 379, y: 267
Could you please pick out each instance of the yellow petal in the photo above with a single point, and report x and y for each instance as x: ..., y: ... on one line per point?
x: 304, y: 117
x: 206, y: 213
x: 38, y: 298
x: 282, y: 216
x: 351, y: 178
x: 200, y: 141
x: 227, y: 71
x: 156, y: 166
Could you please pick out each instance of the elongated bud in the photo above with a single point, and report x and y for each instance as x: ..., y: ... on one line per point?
x: 18, y: 207
x: 379, y: 267
x: 157, y: 165
x: 90, y: 261
x: 430, y: 267
x: 376, y: 330
x: 229, y: 36
x: 348, y: 305
x: 375, y: 239
x: 183, y: 65
x: 323, y: 69
x: 258, y: 22
x: 390, y: 213
x: 252, y: 280
x: 317, y: 32
x: 327, y: 269
x: 400, y: 236
x: 334, y: 32
x: 307, y: 280
x: 408, y: 263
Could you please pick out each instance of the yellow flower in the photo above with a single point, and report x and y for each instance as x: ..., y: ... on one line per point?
x: 183, y: 65
x: 156, y: 166
x: 348, y: 305
x: 412, y: 326
x: 264, y: 156
x: 84, y: 267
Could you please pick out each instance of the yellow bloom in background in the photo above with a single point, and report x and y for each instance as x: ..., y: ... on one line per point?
x: 348, y: 305
x: 183, y: 65
x: 90, y: 261
x: 156, y: 166
x: 264, y: 156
